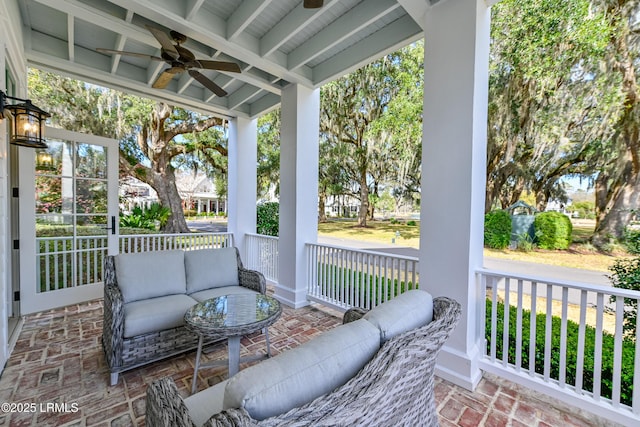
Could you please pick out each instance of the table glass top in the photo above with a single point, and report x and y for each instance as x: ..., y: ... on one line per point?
x: 231, y: 311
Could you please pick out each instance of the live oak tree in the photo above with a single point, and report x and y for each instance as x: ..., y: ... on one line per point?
x: 153, y: 136
x: 551, y: 105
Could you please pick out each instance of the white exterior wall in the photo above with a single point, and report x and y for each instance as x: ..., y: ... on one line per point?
x: 453, y: 172
x: 12, y: 57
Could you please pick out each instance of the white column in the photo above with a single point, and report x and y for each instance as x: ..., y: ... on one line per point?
x: 453, y: 172
x: 299, y: 135
x: 242, y: 184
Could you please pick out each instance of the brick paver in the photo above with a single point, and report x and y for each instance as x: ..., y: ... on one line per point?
x: 57, y: 376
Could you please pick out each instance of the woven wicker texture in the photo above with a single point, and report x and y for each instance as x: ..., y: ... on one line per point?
x: 396, y: 388
x: 126, y: 353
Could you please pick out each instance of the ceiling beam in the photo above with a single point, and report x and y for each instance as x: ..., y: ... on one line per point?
x: 191, y: 8
x: 71, y: 37
x: 342, y: 28
x: 388, y: 39
x: 244, y: 16
x: 417, y: 9
x: 241, y: 96
x: 289, y: 26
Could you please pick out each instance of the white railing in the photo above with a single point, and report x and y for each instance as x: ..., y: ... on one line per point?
x: 343, y: 277
x: 54, y: 265
x: 55, y: 255
x: 184, y: 241
x: 565, y: 339
x: 261, y: 254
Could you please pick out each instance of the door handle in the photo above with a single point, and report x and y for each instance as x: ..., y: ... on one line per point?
x: 113, y: 225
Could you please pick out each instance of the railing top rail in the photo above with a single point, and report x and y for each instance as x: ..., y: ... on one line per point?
x: 178, y: 234
x: 96, y: 236
x: 383, y: 254
x: 609, y: 290
x: 262, y: 236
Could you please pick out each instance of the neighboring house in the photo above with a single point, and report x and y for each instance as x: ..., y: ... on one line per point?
x: 196, y: 191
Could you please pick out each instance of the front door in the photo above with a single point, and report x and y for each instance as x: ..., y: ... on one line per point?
x: 75, y: 220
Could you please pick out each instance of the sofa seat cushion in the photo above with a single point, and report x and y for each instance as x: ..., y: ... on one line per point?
x: 155, y: 314
x: 407, y: 311
x: 218, y: 292
x: 205, y: 404
x: 150, y: 274
x: 298, y: 376
x: 211, y: 268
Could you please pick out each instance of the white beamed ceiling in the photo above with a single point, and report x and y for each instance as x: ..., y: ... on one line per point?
x: 275, y: 42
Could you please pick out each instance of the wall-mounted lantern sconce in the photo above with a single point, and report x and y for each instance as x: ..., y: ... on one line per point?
x: 28, y: 121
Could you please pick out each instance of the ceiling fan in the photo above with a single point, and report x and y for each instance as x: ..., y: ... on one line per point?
x: 180, y: 60
x: 312, y: 4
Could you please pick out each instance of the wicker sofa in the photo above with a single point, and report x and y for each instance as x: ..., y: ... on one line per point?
x: 146, y: 296
x: 377, y: 369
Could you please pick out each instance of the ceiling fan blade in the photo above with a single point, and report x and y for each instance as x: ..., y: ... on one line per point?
x: 165, y: 77
x: 313, y: 4
x: 206, y: 82
x: 164, y: 40
x: 122, y: 52
x: 216, y: 65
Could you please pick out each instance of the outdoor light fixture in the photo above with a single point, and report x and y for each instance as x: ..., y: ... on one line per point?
x: 28, y: 121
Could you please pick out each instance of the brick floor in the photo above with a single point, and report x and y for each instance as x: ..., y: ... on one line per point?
x: 57, y: 376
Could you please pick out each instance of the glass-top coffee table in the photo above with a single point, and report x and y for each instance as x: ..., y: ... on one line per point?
x: 231, y: 316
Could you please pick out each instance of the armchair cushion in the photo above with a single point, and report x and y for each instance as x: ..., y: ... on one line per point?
x: 407, y: 311
x: 155, y: 314
x: 300, y: 375
x: 150, y: 274
x: 209, y: 401
x: 211, y: 268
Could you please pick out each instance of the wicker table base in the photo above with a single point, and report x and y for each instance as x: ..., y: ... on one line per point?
x: 231, y: 316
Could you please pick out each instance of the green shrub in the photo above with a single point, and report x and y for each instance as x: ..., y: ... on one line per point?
x: 411, y: 223
x: 632, y: 240
x: 146, y: 218
x: 497, y: 229
x: 608, y: 341
x: 626, y: 275
x: 553, y: 230
x: 268, y: 221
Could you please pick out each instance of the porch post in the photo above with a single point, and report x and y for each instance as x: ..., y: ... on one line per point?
x: 242, y: 186
x: 453, y: 172
x: 299, y: 134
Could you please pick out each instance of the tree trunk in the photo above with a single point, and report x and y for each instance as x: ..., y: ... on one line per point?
x: 165, y: 185
x: 364, y: 200
x: 322, y: 202
x: 615, y: 206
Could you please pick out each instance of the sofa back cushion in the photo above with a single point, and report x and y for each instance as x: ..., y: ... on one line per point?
x: 211, y: 268
x: 407, y: 311
x: 150, y: 274
x: 297, y: 376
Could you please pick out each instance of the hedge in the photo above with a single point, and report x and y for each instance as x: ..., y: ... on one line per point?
x: 497, y: 229
x: 553, y: 230
x: 608, y: 341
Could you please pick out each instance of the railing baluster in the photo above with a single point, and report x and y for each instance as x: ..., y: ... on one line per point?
x: 494, y: 316
x: 563, y: 337
x: 548, y: 333
x: 581, y: 342
x: 505, y: 323
x: 532, y: 329
x: 519, y: 327
x: 597, y: 357
x: 617, y: 353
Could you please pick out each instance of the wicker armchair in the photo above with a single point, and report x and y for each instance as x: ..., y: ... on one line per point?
x: 396, y: 388
x: 123, y: 353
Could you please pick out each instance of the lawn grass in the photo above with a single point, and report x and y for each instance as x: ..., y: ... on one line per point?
x: 580, y: 255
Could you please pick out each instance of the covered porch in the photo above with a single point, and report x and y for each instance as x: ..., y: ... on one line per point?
x: 58, y: 361
x: 286, y: 54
